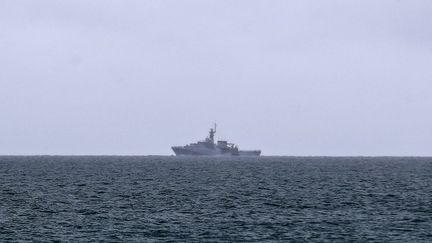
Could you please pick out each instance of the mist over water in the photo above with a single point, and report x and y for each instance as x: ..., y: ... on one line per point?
x: 132, y: 77
x: 196, y: 199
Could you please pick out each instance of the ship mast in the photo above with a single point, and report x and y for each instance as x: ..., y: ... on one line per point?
x: 212, y: 133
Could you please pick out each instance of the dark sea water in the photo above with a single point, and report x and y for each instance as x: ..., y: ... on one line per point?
x: 267, y: 199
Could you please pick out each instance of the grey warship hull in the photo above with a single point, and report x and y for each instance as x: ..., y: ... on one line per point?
x: 182, y: 151
x: 209, y: 148
x: 203, y: 152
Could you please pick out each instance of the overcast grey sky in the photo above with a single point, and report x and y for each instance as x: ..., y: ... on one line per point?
x: 335, y: 77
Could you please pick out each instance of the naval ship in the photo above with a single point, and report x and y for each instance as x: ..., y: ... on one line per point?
x: 209, y: 148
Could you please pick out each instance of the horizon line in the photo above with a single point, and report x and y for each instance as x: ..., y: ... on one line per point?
x: 198, y: 156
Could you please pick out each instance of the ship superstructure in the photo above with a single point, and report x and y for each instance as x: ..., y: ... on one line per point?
x: 210, y: 148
